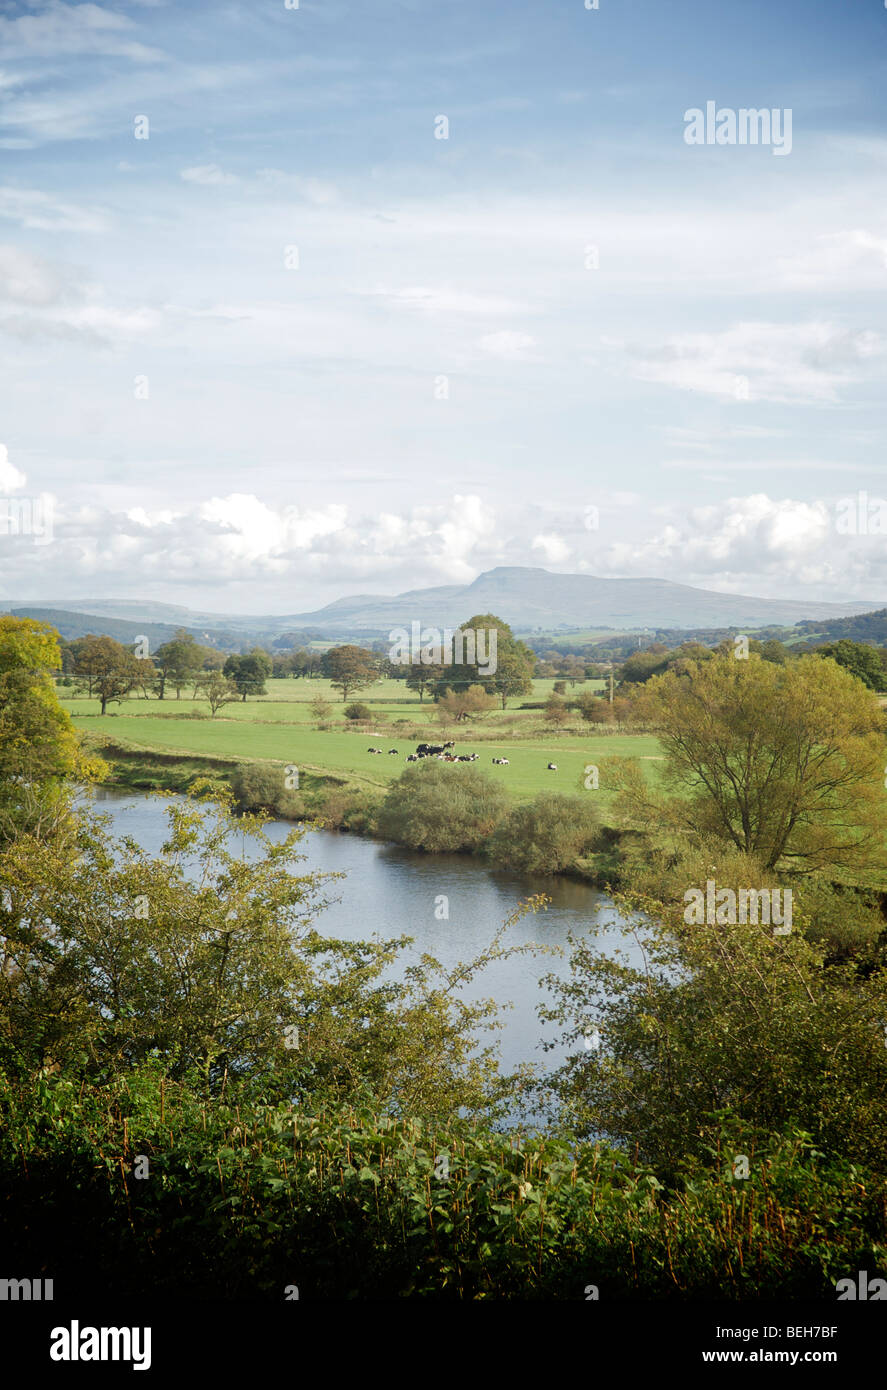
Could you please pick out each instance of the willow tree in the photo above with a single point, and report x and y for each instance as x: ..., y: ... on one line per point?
x: 786, y: 763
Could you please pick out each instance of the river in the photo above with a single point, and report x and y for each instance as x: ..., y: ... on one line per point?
x: 389, y: 892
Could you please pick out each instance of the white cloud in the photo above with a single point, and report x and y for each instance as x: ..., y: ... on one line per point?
x: 313, y: 190
x: 11, y: 479
x: 786, y: 363
x: 226, y: 540
x: 207, y: 174
x: 508, y: 346
x: 26, y: 278
x: 554, y: 549
x: 299, y: 558
x: 73, y: 29
x: 43, y: 212
x: 757, y: 545
x: 444, y: 299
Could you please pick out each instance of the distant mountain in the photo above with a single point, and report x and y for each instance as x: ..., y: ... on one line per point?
x: 147, y: 611
x: 530, y: 598
x: 526, y: 598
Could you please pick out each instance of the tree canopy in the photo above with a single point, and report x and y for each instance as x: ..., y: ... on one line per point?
x: 350, y: 668
x: 783, y: 762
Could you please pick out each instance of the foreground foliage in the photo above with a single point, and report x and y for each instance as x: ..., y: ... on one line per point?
x: 243, y: 1199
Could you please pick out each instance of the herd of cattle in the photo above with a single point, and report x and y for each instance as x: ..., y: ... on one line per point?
x: 441, y: 751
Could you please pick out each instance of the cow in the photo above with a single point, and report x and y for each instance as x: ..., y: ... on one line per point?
x: 374, y: 750
x: 412, y: 757
x: 502, y: 762
x: 392, y: 752
x: 434, y: 750
x: 552, y: 767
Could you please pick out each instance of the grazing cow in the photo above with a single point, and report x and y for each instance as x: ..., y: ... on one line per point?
x: 392, y: 752
x: 502, y: 762
x: 464, y: 758
x: 412, y: 757
x: 552, y: 767
x: 434, y: 750
x: 374, y: 750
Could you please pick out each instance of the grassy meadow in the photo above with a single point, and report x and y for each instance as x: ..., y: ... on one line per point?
x: 280, y: 728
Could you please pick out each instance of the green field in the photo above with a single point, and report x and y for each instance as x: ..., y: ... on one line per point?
x: 280, y: 728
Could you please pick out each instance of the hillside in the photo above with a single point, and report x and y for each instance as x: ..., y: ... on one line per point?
x: 535, y: 598
x: 529, y: 599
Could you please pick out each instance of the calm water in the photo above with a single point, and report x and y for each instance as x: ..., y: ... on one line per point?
x: 388, y: 892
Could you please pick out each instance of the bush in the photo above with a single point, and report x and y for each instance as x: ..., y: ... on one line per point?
x: 556, y: 711
x: 341, y: 807
x: 546, y: 836
x: 438, y: 807
x: 358, y: 711
x: 719, y: 1015
x: 262, y: 787
x: 239, y: 1189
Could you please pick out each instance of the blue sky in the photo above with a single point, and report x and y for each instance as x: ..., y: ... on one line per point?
x: 561, y: 306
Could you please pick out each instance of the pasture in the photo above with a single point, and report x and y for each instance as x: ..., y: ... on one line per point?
x: 281, y: 728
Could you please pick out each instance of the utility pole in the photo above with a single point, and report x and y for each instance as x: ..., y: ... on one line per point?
x: 611, y: 685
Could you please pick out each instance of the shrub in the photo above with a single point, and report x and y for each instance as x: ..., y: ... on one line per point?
x: 347, y: 1188
x: 358, y: 711
x: 546, y: 836
x: 442, y: 806
x: 262, y: 787
x: 719, y: 1015
x: 341, y: 807
x: 556, y: 711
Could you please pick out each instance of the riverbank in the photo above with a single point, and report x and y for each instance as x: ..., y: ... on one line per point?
x: 342, y: 804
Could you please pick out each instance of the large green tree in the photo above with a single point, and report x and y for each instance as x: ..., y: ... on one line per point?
x: 178, y: 662
x: 351, y: 668
x: 786, y: 763
x: 514, y: 661
x: 249, y: 672
x: 108, y: 670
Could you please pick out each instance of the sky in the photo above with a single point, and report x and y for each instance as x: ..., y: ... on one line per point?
x: 350, y: 297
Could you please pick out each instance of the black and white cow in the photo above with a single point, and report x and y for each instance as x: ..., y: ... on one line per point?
x: 552, y: 767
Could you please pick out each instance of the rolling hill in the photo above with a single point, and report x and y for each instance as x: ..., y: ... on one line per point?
x: 527, y: 598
